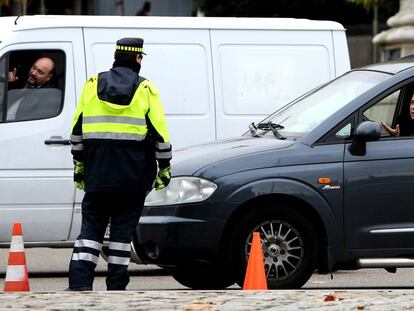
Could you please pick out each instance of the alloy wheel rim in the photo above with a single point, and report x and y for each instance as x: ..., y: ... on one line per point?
x: 283, y: 248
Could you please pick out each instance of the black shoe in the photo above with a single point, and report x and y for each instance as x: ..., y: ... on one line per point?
x: 78, y: 289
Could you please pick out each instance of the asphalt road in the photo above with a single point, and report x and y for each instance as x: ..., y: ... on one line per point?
x: 48, y: 272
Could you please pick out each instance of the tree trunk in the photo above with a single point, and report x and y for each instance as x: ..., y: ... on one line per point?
x: 119, y: 7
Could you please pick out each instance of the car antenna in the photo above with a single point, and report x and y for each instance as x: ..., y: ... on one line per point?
x: 15, y: 21
x: 21, y: 14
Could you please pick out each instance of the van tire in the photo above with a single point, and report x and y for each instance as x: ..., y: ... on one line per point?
x: 134, y: 254
x: 296, y: 243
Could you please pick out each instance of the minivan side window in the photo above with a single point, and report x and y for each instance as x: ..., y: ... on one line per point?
x: 33, y: 84
x: 383, y: 111
x: 345, y: 132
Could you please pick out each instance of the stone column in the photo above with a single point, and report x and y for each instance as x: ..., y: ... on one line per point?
x: 398, y: 41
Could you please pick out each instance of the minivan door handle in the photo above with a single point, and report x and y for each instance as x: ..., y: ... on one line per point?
x: 57, y: 140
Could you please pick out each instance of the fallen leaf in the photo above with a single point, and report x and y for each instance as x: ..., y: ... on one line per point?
x: 329, y: 298
x: 199, y: 305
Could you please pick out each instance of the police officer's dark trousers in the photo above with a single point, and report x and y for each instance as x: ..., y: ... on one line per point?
x: 124, y: 210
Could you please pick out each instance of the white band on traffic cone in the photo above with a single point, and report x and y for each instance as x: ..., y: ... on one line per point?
x: 15, y: 273
x: 17, y: 244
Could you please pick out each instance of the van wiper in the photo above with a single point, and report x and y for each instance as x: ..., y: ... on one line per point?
x: 270, y: 126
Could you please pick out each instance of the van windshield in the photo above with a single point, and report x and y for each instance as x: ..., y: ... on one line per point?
x: 307, y: 112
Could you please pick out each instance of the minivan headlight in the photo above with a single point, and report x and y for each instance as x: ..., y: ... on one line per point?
x: 186, y: 189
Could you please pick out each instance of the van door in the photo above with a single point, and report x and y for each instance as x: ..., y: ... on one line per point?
x: 258, y: 71
x: 178, y: 61
x: 36, y: 186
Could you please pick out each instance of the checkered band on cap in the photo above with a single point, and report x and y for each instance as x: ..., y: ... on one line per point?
x: 129, y: 48
x: 134, y: 45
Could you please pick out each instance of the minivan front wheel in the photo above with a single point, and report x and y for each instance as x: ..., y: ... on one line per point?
x: 201, y: 277
x: 289, y: 246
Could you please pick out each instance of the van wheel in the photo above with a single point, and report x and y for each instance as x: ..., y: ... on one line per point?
x: 289, y: 246
x: 104, y: 253
x: 134, y: 250
x: 201, y: 277
x: 134, y: 255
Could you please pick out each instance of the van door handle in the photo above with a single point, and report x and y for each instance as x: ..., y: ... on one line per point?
x: 57, y: 140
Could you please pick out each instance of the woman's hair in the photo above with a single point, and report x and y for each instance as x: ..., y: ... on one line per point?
x: 404, y: 119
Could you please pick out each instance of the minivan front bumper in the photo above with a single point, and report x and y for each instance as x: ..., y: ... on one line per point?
x: 174, y: 235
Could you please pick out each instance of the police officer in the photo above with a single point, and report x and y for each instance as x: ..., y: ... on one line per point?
x: 119, y: 135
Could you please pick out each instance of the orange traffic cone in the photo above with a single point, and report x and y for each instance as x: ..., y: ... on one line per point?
x: 17, y: 279
x: 255, y: 275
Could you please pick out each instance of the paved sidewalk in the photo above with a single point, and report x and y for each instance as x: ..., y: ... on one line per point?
x: 211, y: 300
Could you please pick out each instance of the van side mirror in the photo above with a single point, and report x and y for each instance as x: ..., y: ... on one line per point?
x: 366, y: 131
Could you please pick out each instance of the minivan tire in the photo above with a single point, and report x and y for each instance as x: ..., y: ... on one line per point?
x: 201, y: 277
x: 290, y: 246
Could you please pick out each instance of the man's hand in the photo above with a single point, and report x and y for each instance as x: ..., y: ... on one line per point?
x: 13, y: 75
x: 78, y: 176
x: 163, y: 178
x: 393, y: 132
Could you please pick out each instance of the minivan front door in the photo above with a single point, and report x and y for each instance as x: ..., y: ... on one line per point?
x: 378, y: 195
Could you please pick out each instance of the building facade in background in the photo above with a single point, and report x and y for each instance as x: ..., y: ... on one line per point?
x: 355, y: 18
x: 398, y: 41
x: 130, y: 7
x: 96, y: 7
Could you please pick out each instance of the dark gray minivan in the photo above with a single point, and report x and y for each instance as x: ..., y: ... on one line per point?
x: 321, y: 179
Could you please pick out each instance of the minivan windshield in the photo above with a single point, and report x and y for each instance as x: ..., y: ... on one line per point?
x: 307, y: 112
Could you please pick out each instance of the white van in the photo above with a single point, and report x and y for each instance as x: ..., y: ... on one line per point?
x: 216, y: 75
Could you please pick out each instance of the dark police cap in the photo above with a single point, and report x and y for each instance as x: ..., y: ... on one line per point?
x: 134, y: 45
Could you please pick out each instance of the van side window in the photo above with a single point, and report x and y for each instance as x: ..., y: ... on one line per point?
x: 34, y: 85
x: 3, y: 84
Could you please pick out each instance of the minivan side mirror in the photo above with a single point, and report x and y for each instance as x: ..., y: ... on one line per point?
x: 366, y: 131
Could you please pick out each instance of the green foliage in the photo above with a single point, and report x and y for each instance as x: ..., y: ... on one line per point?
x: 368, y: 4
x: 365, y: 3
x: 343, y: 11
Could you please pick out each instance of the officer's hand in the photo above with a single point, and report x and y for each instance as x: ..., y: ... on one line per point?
x: 163, y: 178
x: 80, y: 185
x: 78, y: 176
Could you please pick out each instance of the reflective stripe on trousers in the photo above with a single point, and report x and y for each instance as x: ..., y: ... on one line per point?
x: 124, y: 210
x: 119, y: 253
x: 87, y: 250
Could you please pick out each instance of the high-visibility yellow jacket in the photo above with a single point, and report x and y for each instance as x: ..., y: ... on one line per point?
x: 120, y: 143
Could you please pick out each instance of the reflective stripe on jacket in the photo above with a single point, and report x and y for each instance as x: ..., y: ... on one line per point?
x: 119, y: 143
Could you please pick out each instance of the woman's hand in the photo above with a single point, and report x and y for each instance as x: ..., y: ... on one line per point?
x: 393, y: 132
